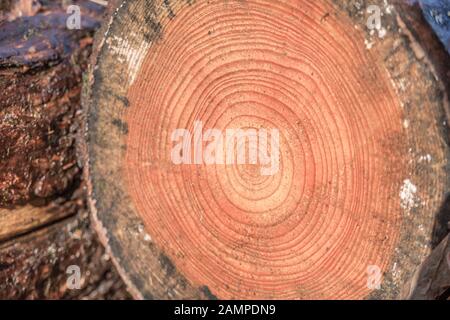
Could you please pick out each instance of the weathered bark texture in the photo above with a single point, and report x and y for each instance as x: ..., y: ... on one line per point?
x: 44, y: 226
x: 35, y: 265
x: 432, y: 278
x: 41, y: 65
x: 365, y: 156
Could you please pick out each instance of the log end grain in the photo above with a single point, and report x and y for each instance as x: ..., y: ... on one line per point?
x: 363, y: 149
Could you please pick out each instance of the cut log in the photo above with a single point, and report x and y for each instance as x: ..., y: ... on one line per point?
x: 360, y: 171
x: 35, y: 265
x: 44, y: 226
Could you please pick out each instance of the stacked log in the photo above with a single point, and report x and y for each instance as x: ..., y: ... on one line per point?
x: 44, y: 223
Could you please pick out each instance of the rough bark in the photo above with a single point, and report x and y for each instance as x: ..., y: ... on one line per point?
x: 44, y: 225
x: 41, y: 64
x: 432, y: 278
x: 35, y: 265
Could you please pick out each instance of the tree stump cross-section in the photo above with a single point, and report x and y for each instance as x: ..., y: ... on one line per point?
x: 363, y: 154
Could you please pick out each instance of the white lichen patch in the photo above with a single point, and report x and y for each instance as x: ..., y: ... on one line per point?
x: 145, y: 235
x: 388, y: 8
x: 382, y: 33
x: 396, y: 272
x: 406, y: 123
x: 402, y: 84
x: 408, y: 197
x: 128, y: 53
x: 425, y: 158
x: 368, y: 44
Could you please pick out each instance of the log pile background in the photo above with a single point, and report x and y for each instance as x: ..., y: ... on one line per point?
x: 44, y: 223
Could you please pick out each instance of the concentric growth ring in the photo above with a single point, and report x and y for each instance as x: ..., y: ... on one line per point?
x: 311, y: 228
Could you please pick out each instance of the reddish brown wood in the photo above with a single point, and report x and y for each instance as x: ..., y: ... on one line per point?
x: 364, y: 149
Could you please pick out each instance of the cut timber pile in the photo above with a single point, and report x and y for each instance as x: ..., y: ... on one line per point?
x: 363, y: 152
x: 44, y: 225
